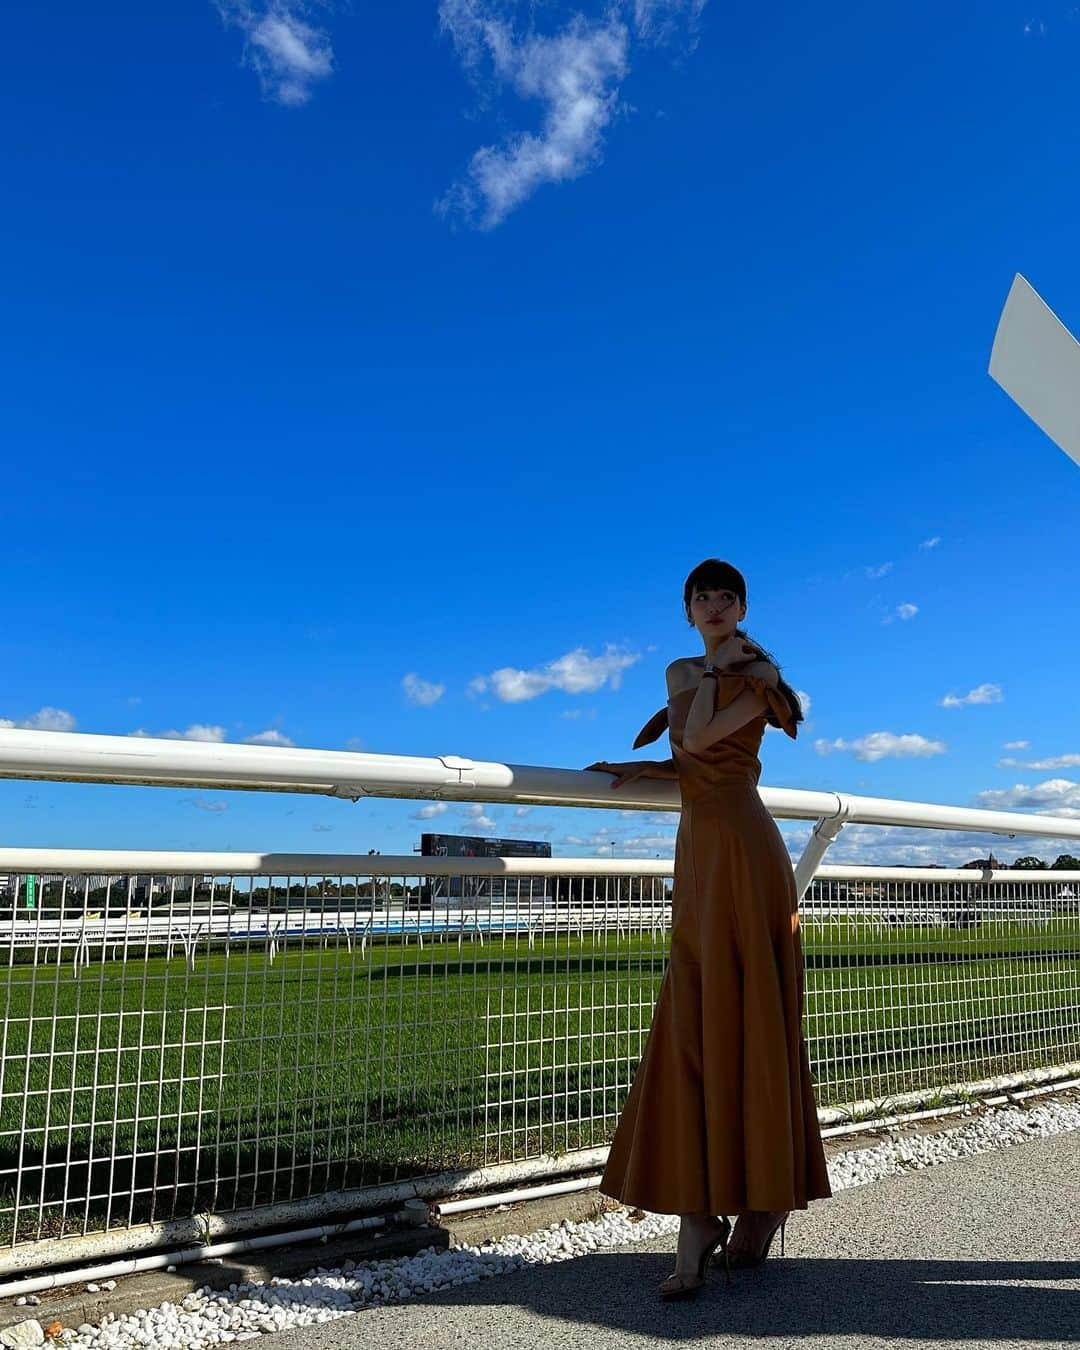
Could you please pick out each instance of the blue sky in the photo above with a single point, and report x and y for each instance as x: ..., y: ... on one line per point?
x: 355, y: 353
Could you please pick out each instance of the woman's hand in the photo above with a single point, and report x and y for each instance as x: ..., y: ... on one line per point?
x: 733, y: 651
x: 624, y: 772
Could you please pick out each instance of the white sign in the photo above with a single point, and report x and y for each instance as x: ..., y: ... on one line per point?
x: 1036, y: 360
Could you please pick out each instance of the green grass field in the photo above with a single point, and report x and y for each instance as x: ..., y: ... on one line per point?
x: 244, y: 1081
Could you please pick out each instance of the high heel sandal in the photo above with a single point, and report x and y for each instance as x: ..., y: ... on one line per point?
x: 742, y: 1259
x: 689, y: 1290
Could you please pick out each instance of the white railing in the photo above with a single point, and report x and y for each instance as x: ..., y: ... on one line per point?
x: 267, y: 1036
x: 74, y: 757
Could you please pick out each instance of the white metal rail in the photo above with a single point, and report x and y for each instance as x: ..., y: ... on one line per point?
x: 272, y: 1035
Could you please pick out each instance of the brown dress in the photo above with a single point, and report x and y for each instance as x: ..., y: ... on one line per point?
x: 721, y: 1115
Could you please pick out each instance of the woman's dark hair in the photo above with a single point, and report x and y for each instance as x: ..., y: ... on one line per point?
x: 714, y: 574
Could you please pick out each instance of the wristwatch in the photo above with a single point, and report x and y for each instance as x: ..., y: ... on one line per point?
x: 710, y: 669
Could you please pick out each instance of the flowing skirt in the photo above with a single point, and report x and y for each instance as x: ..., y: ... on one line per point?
x: 721, y: 1116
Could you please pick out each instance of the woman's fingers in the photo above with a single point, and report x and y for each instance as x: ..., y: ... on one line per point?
x: 623, y: 773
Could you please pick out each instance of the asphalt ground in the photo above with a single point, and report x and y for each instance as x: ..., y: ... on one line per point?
x: 981, y: 1251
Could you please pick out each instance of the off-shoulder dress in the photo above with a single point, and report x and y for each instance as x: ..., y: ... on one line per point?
x: 721, y: 1115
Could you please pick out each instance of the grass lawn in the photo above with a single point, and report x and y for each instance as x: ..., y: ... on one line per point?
x: 139, y: 1088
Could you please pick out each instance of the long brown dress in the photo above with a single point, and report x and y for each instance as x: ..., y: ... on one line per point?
x: 721, y: 1115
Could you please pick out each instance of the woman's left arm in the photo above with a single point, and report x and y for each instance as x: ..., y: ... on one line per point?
x: 705, y: 725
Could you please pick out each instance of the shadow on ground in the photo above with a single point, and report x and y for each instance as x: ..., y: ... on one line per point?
x: 977, y: 1251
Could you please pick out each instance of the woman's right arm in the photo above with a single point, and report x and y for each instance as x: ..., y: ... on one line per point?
x: 628, y: 770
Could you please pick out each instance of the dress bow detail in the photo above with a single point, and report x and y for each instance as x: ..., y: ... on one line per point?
x: 652, y: 729
x: 730, y: 684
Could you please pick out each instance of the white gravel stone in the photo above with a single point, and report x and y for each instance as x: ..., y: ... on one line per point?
x: 244, y: 1311
x: 22, y: 1335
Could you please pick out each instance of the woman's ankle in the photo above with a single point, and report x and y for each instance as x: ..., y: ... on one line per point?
x: 701, y: 1222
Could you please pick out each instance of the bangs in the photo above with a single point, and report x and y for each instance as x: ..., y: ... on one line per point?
x: 714, y: 575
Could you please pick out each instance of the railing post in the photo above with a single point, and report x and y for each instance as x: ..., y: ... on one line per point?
x: 825, y: 832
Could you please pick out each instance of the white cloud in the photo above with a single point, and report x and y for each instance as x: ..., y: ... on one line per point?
x: 931, y: 543
x: 202, y: 804
x: 983, y: 693
x: 1069, y: 761
x: 429, y: 811
x: 196, y: 732
x: 655, y: 20
x: 45, y: 719
x: 575, y: 75
x: 287, y: 54
x: 574, y: 673
x: 875, y: 572
x: 1055, y: 796
x: 884, y: 745
x: 204, y: 732
x: 599, y: 844
x: 903, y: 613
x: 477, y: 819
x: 270, y: 737
x: 422, y: 692
x: 901, y: 845
x: 1016, y: 745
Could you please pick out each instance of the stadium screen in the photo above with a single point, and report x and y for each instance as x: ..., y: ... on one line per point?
x: 485, y: 889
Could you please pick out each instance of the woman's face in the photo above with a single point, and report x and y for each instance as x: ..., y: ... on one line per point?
x: 716, y: 612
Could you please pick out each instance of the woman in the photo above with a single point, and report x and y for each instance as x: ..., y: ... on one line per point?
x: 721, y: 1117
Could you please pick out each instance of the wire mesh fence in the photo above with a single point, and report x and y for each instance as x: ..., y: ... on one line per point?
x: 179, y: 1044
